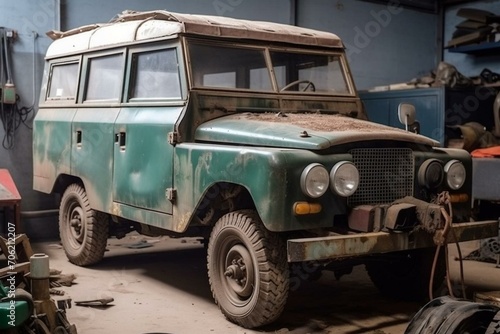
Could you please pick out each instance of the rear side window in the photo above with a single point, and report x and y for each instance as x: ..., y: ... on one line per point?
x: 155, y: 75
x: 63, y: 81
x: 105, y: 76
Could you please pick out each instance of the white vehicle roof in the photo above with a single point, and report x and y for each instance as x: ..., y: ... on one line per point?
x: 131, y: 26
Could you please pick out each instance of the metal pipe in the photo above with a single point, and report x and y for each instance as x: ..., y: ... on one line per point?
x: 7, y: 61
x: 293, y: 12
x: 39, y: 213
x: 57, y: 15
x: 40, y: 288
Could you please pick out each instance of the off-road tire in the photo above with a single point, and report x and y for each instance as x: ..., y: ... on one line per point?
x: 494, y: 327
x: 83, y: 231
x: 259, y: 297
x: 405, y: 275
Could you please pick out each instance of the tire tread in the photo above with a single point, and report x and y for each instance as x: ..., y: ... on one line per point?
x: 272, y: 265
x: 494, y: 327
x: 94, y: 246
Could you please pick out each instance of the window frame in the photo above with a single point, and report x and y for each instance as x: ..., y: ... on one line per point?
x: 130, y: 80
x: 61, y: 62
x: 267, y: 51
x: 267, y: 59
x: 342, y: 57
x: 85, y: 76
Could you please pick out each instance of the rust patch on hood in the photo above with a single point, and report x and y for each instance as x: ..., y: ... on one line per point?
x: 320, y: 122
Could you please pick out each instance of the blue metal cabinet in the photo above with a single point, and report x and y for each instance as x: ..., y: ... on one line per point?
x: 437, y: 108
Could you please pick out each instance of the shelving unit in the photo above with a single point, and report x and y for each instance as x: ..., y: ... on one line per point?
x: 477, y: 49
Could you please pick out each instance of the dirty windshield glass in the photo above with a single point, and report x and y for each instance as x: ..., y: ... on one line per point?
x: 229, y: 67
x: 300, y: 72
x: 233, y: 67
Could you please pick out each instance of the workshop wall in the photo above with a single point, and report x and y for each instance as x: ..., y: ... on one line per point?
x: 80, y: 12
x: 382, y: 46
x: 385, y: 43
x: 469, y: 65
x: 31, y: 19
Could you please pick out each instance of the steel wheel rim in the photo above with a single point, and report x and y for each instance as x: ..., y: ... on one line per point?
x: 237, y: 294
x: 239, y: 271
x: 75, y: 225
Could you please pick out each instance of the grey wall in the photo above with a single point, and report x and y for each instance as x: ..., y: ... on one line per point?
x: 80, y: 12
x: 470, y: 65
x: 386, y: 44
x: 31, y: 19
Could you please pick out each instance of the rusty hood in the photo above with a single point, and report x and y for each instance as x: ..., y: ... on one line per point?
x: 294, y: 130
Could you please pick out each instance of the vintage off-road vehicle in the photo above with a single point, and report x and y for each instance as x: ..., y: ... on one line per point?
x: 252, y: 136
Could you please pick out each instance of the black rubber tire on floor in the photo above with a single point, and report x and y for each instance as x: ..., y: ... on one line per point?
x: 471, y: 318
x: 83, y: 231
x: 429, y: 318
x: 446, y: 315
x: 255, y: 292
x: 494, y: 327
x: 405, y: 275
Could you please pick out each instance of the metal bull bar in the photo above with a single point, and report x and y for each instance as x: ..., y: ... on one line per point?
x: 360, y: 244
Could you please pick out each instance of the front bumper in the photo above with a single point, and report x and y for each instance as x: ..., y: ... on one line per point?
x: 342, y: 246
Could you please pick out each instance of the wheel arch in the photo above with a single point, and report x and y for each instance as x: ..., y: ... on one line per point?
x: 98, y: 201
x: 221, y: 198
x: 63, y: 181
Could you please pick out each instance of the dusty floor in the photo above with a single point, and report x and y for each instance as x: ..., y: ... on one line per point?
x: 164, y: 289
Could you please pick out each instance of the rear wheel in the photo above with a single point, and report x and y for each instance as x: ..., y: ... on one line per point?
x: 406, y: 275
x: 83, y: 231
x: 247, y: 269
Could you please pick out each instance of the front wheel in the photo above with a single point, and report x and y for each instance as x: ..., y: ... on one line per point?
x: 83, y: 231
x: 247, y: 269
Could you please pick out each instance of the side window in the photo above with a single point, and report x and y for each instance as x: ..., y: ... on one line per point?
x: 105, y: 76
x: 63, y: 81
x: 155, y: 75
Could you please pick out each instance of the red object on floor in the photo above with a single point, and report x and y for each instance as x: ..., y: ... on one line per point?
x: 9, y: 196
x: 490, y: 152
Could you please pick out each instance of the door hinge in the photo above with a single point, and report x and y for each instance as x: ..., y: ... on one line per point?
x: 173, y: 137
x: 171, y: 194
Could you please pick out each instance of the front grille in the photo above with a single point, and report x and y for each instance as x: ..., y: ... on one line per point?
x: 385, y: 174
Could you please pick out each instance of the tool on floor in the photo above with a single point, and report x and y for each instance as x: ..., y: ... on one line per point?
x: 95, y: 302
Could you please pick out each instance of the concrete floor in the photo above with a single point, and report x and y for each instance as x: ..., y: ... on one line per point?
x: 164, y: 289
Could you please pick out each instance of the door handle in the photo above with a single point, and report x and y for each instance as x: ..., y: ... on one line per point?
x: 120, y: 139
x: 79, y: 138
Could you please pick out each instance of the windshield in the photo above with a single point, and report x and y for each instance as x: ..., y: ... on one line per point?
x: 301, y: 72
x: 237, y: 67
x: 229, y: 67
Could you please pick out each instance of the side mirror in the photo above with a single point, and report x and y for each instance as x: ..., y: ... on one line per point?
x: 406, y: 114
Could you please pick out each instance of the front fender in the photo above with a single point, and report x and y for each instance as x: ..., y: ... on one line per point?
x: 271, y: 176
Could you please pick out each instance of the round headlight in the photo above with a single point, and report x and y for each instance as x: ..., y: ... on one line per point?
x: 431, y: 174
x: 455, y: 174
x: 314, y: 180
x: 344, y: 178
